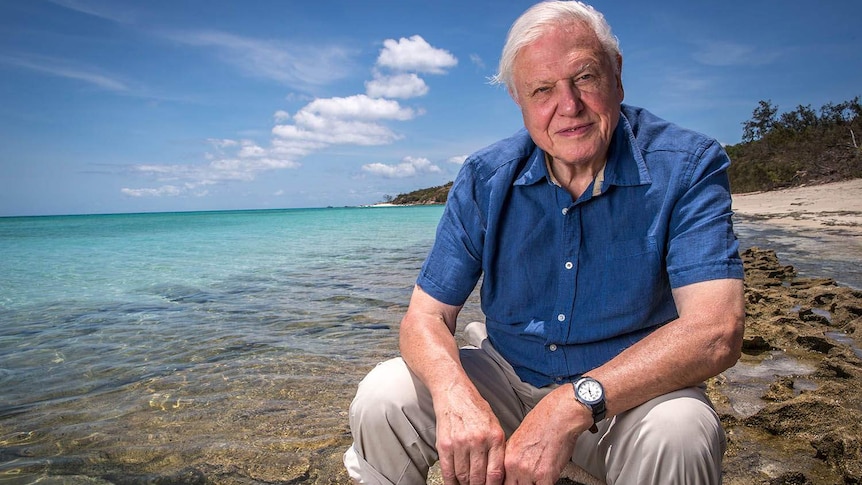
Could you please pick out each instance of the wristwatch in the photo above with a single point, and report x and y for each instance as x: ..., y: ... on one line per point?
x: 591, y: 393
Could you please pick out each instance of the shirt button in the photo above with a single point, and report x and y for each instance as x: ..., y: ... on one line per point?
x: 561, y: 317
x: 553, y: 347
x: 565, y: 210
x: 569, y: 265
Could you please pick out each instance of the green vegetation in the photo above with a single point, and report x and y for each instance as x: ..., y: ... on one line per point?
x: 799, y: 147
x: 433, y: 195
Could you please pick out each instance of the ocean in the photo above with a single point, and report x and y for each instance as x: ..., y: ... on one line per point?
x: 213, y: 347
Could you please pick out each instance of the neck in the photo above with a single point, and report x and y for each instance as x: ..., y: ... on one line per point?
x: 574, y: 178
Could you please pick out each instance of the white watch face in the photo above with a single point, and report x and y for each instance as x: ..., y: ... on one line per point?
x: 590, y: 391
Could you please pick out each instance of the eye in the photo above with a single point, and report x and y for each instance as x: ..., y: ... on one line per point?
x: 541, y: 90
x: 587, y: 81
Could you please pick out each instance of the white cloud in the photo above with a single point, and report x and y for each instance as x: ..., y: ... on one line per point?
x: 415, y: 54
x: 293, y: 64
x: 325, y: 131
x: 165, y: 190
x: 222, y: 143
x: 458, y: 160
x: 62, y: 68
x: 477, y: 61
x: 251, y: 150
x: 293, y: 149
x: 409, y: 167
x: 351, y: 120
x: 233, y: 161
x: 103, y: 9
x: 358, y: 106
x: 402, y: 86
x: 733, y: 54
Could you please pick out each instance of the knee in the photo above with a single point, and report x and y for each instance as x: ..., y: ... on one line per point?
x: 673, y: 439
x: 683, y: 426
x: 681, y: 439
x: 392, y: 422
x: 389, y: 393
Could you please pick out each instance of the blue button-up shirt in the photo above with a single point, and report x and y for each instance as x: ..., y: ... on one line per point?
x: 569, y: 284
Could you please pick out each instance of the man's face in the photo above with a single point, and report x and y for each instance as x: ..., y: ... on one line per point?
x: 570, y: 94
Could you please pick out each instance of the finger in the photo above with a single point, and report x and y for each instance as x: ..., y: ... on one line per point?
x: 496, y: 468
x: 478, y: 467
x: 447, y: 469
x: 462, y: 466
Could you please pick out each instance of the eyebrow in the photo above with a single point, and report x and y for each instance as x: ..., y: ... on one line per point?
x: 588, y: 65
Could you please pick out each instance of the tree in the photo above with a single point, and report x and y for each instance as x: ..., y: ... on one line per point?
x: 799, y: 120
x: 761, y: 122
x: 803, y: 146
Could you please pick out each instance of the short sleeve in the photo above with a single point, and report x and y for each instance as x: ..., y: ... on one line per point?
x: 454, y: 264
x: 702, y: 244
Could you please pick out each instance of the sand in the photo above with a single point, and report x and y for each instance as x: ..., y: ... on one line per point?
x: 818, y: 207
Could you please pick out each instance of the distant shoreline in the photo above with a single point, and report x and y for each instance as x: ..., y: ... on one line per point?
x: 390, y: 204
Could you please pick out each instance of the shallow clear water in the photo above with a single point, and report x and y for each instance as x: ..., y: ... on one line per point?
x: 220, y: 346
x: 114, y: 326
x: 831, y: 252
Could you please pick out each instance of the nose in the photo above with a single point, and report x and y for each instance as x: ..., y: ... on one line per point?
x: 569, y: 102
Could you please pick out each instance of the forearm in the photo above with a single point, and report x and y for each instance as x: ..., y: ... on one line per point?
x: 431, y: 353
x: 704, y: 341
x: 427, y: 343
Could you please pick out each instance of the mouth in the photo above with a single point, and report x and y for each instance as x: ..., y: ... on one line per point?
x: 575, y: 130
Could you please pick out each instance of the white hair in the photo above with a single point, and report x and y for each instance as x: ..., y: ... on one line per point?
x: 538, y: 19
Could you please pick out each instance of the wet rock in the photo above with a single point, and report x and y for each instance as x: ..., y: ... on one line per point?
x: 808, y: 433
x: 811, y: 316
x: 834, y: 446
x: 792, y: 478
x: 803, y: 283
x: 816, y: 343
x: 837, y: 368
x: 801, y: 414
x: 841, y: 450
x: 755, y: 344
x: 780, y: 390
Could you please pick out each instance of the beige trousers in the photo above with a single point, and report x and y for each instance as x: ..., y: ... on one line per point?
x: 673, y: 439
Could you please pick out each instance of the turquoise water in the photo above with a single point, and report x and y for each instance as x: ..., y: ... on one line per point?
x: 217, y: 347
x: 117, y: 329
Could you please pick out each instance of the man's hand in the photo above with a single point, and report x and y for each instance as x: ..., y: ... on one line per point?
x: 470, y: 441
x: 544, y: 442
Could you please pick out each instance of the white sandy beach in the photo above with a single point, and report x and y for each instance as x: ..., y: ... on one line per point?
x: 833, y: 207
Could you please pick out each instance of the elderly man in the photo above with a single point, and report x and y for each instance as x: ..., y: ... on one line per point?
x: 612, y: 289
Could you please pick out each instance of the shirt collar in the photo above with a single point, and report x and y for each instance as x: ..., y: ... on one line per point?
x: 625, y: 165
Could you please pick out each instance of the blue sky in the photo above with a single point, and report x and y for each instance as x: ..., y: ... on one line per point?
x: 113, y: 106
